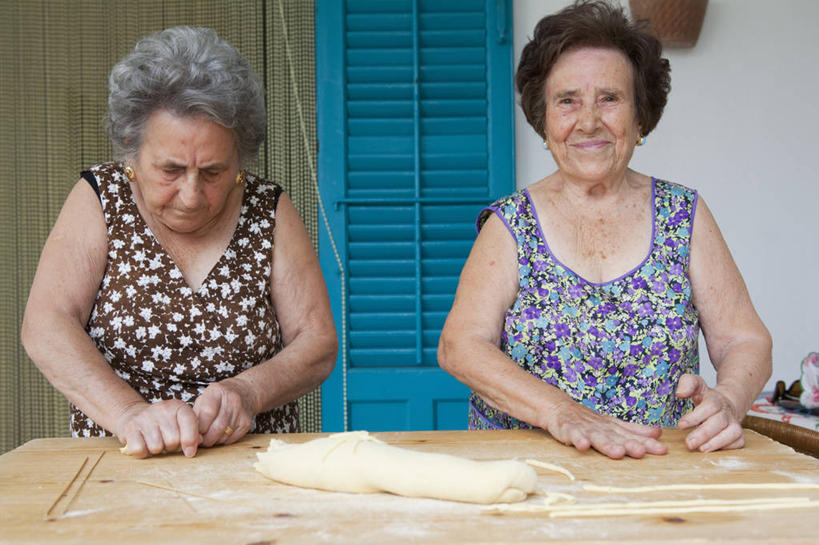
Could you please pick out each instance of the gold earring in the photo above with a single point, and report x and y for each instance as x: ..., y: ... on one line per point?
x: 546, y: 144
x: 240, y: 178
x: 641, y: 141
x: 129, y: 173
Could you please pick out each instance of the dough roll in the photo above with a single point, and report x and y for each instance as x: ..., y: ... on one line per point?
x: 356, y: 462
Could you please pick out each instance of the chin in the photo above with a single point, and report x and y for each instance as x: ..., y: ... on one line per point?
x: 183, y: 226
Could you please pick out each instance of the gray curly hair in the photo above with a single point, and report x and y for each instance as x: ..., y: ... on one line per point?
x: 189, y: 72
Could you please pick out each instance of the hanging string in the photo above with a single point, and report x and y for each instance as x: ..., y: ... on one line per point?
x: 306, y: 142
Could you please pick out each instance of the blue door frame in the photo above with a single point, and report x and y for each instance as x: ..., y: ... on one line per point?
x: 403, y: 175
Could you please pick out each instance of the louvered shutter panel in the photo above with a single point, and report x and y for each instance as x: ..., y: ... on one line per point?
x: 415, y: 137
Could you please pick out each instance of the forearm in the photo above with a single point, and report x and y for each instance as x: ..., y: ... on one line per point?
x: 299, y: 368
x: 743, y: 368
x: 499, y: 381
x: 71, y: 362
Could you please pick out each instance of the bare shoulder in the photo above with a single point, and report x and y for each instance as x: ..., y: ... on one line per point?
x: 298, y: 289
x: 81, y: 221
x: 715, y: 277
x: 287, y: 217
x: 491, y: 268
x: 77, y: 243
x: 706, y: 235
x: 293, y: 252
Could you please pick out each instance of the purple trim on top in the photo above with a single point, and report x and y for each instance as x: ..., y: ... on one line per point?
x: 497, y: 212
x: 480, y: 415
x: 629, y: 273
x: 694, y: 213
x: 691, y: 234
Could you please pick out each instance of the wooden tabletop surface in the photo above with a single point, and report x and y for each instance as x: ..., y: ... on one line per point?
x: 85, y: 491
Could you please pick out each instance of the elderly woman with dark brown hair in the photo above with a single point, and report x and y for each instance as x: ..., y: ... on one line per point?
x: 579, y: 308
x: 178, y: 301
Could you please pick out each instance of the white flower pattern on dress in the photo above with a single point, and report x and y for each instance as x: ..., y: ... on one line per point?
x: 164, y: 339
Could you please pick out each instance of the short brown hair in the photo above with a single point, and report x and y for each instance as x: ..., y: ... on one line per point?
x: 593, y: 23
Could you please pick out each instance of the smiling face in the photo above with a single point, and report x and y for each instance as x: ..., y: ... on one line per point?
x: 185, y: 171
x: 591, y: 116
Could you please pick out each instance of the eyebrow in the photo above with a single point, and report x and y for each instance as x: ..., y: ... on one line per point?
x: 574, y: 92
x: 174, y: 164
x: 214, y: 166
x: 569, y: 93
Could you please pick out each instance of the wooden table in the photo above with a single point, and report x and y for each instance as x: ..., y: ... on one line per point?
x: 217, y: 497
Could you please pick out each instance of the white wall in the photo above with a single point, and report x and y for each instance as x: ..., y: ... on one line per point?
x: 742, y: 127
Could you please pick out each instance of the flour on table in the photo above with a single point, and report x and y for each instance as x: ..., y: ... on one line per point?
x: 730, y: 462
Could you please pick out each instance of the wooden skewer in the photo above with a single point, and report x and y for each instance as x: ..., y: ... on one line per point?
x: 178, y: 491
x: 79, y: 489
x: 71, y: 482
x: 182, y: 498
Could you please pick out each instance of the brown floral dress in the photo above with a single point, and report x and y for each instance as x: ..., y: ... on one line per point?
x: 166, y: 340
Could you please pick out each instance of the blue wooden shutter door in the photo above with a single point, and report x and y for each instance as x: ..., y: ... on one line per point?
x: 416, y: 135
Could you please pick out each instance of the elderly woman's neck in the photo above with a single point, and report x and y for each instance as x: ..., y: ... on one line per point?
x: 600, y: 190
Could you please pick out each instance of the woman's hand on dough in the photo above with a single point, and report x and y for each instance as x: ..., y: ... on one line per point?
x: 151, y: 428
x: 573, y: 424
x: 225, y: 411
x: 714, y: 418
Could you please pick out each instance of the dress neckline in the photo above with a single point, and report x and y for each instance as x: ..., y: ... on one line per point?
x: 176, y: 273
x: 628, y: 273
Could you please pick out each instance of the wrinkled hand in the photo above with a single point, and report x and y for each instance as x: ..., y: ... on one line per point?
x: 573, y: 424
x: 150, y: 428
x: 715, y: 419
x: 225, y: 412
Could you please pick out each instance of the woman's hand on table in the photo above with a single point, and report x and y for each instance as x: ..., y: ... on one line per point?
x: 224, y: 411
x: 714, y: 418
x: 574, y: 424
x: 151, y: 428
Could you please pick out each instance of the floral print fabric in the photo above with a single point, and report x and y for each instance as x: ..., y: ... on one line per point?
x: 618, y: 347
x: 166, y: 340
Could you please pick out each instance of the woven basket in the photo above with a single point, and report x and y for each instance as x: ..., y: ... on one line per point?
x: 676, y: 23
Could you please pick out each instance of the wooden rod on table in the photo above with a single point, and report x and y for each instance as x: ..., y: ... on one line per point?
x: 79, y: 488
x: 71, y: 482
x: 203, y: 496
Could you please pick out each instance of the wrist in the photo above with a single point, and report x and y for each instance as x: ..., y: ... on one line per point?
x: 736, y: 398
x: 124, y: 413
x: 248, y: 394
x: 547, y: 413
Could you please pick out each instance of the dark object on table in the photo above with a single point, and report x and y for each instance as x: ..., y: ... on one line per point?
x: 789, y: 398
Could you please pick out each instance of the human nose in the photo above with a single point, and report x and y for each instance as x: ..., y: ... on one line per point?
x: 190, y: 192
x: 589, y: 117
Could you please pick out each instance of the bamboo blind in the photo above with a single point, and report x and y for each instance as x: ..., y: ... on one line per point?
x: 55, y: 57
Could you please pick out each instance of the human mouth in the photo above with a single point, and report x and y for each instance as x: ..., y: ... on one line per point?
x: 188, y: 212
x: 590, y: 144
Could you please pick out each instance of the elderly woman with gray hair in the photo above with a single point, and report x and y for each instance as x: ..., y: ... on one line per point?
x: 178, y: 301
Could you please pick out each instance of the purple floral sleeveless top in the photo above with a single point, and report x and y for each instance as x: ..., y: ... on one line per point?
x: 618, y: 347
